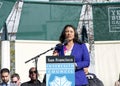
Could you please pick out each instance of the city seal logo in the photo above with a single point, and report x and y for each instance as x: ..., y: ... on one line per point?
x: 1, y: 4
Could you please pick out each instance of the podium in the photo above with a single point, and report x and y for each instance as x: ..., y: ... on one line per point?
x: 60, y: 71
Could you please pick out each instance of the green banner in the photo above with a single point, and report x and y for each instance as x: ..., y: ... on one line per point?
x: 106, y: 21
x: 5, y: 9
x: 45, y: 20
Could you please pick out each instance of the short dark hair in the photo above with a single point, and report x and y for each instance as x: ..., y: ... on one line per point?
x: 30, y: 70
x: 15, y: 75
x: 4, y: 70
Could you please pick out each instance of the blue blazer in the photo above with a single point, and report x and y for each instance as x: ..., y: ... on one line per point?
x: 81, y: 57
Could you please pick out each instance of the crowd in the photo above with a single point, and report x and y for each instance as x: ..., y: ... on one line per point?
x: 8, y: 79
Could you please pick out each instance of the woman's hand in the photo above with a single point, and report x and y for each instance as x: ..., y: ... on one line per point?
x: 55, y: 53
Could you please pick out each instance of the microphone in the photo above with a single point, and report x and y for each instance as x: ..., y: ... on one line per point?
x: 65, y: 42
x: 59, y: 46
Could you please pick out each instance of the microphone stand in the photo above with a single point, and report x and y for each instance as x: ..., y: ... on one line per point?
x: 36, y: 58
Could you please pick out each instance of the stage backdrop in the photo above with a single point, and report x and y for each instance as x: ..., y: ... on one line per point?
x: 106, y: 21
x: 106, y: 25
x: 5, y: 9
x: 45, y: 20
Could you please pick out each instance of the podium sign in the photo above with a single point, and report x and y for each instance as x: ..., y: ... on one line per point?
x: 60, y: 71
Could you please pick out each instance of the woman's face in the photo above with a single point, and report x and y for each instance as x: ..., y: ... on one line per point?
x: 69, y: 33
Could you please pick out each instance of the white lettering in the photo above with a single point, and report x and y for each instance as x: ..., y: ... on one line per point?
x: 118, y: 12
x: 113, y: 17
x: 113, y: 12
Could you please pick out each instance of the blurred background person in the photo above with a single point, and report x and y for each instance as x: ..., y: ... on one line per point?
x: 33, y: 74
x: 117, y: 83
x: 5, y: 75
x: 15, y: 79
x: 92, y: 79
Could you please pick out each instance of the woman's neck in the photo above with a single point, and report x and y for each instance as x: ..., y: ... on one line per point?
x: 69, y: 45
